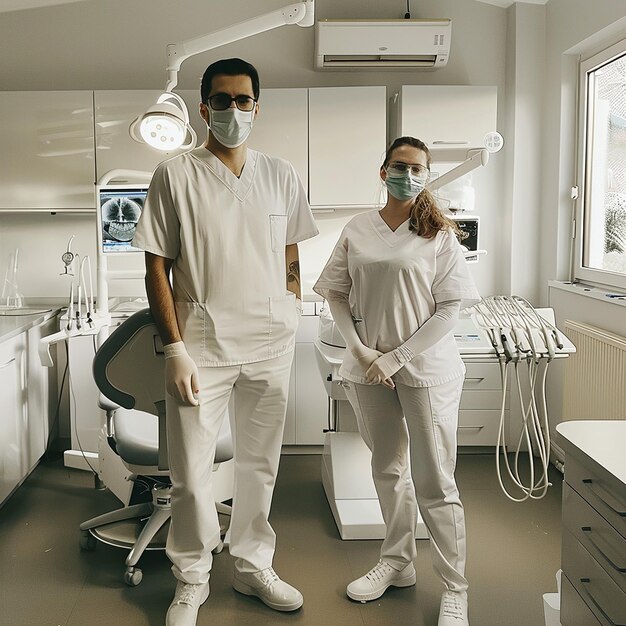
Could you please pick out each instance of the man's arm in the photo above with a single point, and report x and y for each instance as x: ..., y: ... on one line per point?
x: 161, y: 298
x: 181, y: 373
x: 292, y: 260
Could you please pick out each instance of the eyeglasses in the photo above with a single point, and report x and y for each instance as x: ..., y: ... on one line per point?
x: 397, y: 169
x: 222, y: 101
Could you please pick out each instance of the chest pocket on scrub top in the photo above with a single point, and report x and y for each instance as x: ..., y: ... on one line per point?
x: 278, y: 232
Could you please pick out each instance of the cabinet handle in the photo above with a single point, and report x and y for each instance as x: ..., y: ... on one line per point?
x: 608, y: 499
x: 588, y: 533
x: 439, y: 142
x: 471, y: 427
x: 7, y: 363
x: 475, y: 381
x: 585, y: 582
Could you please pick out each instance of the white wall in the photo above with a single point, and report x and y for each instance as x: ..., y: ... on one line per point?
x: 111, y: 45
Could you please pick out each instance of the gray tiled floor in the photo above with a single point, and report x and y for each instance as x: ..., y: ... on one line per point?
x: 45, y: 579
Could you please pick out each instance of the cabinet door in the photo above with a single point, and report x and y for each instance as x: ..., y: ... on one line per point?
x: 347, y: 140
x: 311, y: 398
x: 447, y: 115
x: 280, y: 128
x: 47, y: 142
x: 38, y: 393
x: 13, y: 447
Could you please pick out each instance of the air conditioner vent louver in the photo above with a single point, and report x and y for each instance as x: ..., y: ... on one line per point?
x: 362, y: 44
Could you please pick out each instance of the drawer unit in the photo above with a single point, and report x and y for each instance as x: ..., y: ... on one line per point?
x: 596, y: 535
x: 574, y: 612
x: 481, y: 403
x: 478, y: 428
x: 601, y: 490
x: 592, y: 582
x: 593, y: 556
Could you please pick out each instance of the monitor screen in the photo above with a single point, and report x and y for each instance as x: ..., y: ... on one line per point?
x: 120, y: 209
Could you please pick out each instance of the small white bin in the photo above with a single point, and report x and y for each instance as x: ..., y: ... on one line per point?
x: 551, y: 610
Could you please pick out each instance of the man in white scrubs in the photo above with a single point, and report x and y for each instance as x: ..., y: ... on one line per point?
x: 226, y: 221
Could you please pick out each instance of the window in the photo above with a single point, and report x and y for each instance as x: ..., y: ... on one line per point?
x: 601, y: 206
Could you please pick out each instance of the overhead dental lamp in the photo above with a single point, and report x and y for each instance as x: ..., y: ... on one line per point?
x: 165, y: 125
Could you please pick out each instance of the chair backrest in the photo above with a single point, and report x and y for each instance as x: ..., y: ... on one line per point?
x: 129, y: 366
x: 129, y: 369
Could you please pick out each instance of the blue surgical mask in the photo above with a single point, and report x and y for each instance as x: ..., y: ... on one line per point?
x: 405, y: 187
x: 231, y: 127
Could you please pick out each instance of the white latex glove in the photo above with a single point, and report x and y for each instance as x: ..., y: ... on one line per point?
x: 383, y: 368
x: 181, y: 374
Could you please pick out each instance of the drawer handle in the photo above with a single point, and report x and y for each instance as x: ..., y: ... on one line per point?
x: 585, y: 582
x: 605, y: 496
x: 587, y: 531
x: 471, y: 427
x: 7, y: 363
x: 475, y: 381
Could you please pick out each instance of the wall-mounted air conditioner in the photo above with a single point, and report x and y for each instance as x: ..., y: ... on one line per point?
x: 377, y: 44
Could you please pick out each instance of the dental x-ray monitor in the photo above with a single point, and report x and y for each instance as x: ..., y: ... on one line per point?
x: 119, y: 208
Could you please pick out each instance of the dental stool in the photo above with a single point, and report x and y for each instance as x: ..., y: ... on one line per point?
x: 129, y: 371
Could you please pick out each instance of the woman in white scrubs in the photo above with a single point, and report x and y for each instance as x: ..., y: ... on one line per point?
x: 395, y: 283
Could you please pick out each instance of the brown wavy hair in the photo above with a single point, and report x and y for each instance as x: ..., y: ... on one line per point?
x: 426, y: 219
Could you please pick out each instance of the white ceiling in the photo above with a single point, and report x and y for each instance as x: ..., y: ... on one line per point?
x: 17, y: 5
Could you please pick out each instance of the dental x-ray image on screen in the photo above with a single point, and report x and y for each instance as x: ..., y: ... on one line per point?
x: 120, y: 210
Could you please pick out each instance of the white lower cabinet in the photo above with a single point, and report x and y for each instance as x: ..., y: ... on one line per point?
x: 479, y: 413
x: 24, y: 398
x: 13, y: 449
x: 307, y: 407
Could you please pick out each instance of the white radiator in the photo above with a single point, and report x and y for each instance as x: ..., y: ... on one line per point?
x: 595, y: 376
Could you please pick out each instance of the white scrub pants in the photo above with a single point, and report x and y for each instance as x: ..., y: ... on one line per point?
x: 261, y: 391
x: 431, y: 415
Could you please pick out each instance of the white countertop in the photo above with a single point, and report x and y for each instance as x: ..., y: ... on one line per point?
x: 604, y: 441
x: 13, y: 323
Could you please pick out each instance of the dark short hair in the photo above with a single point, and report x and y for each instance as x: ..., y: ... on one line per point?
x: 229, y: 67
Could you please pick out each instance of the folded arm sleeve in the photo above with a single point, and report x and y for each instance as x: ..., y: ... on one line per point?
x: 300, y: 221
x: 335, y: 275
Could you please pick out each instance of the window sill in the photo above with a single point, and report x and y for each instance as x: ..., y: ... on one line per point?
x: 617, y: 297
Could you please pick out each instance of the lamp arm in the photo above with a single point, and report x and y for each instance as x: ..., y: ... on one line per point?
x: 479, y: 158
x: 300, y: 13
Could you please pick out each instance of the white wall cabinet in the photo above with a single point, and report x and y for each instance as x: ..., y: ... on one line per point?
x: 280, y: 128
x: 446, y: 115
x: 347, y: 141
x: 47, y: 142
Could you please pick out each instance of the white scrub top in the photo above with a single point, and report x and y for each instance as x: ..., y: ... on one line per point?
x: 394, y: 280
x: 227, y: 236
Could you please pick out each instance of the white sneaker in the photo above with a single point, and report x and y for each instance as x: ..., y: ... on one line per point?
x: 453, y: 609
x: 267, y: 586
x: 378, y: 579
x: 187, y: 600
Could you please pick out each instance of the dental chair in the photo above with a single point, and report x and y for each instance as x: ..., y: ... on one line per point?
x: 129, y: 371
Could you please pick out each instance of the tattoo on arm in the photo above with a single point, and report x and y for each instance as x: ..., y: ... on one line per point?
x: 293, y: 273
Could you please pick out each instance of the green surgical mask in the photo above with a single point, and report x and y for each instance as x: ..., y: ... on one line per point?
x: 406, y: 187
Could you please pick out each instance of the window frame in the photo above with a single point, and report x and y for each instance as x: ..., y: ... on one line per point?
x: 581, y: 273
